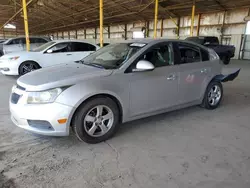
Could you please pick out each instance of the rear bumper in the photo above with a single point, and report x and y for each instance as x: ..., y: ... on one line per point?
x: 227, y: 78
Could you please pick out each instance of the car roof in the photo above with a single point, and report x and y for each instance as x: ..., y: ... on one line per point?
x: 71, y: 40
x: 155, y: 41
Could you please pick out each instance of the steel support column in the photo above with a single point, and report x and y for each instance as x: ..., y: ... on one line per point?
x: 162, y: 20
x: 26, y: 25
x: 156, y: 18
x: 199, y: 24
x: 192, y: 20
x: 101, y: 23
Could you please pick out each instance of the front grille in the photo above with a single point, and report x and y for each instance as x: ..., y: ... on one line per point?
x: 15, y: 98
x: 39, y: 124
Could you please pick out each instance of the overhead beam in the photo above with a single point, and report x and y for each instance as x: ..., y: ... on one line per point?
x: 219, y: 3
x: 18, y: 12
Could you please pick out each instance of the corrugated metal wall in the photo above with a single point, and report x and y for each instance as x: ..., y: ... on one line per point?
x: 231, y: 32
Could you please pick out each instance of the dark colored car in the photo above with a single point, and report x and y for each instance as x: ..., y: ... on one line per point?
x: 104, y: 44
x: 225, y: 52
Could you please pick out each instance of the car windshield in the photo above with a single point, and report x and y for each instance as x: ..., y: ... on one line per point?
x: 43, y: 47
x: 112, y: 56
x: 197, y: 40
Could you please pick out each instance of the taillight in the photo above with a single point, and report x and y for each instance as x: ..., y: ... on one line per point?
x: 213, y: 55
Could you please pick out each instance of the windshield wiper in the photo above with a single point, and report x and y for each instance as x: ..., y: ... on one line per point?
x: 92, y: 64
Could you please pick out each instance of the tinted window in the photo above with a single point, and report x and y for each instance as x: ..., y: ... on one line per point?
x: 212, y: 40
x: 61, y: 47
x: 82, y: 47
x: 17, y: 41
x: 40, y: 40
x: 33, y: 40
x: 159, y: 56
x: 189, y: 53
x: 199, y: 40
x: 204, y: 55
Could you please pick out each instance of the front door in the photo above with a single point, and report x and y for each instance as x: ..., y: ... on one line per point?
x: 154, y: 90
x: 58, y: 54
x: 194, y: 71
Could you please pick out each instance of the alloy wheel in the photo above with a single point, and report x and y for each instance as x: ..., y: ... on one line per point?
x: 98, y: 121
x: 214, y: 95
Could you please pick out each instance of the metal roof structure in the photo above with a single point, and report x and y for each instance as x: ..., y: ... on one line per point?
x: 58, y: 15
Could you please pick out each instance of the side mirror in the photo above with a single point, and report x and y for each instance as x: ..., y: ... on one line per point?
x: 49, y: 51
x: 144, y: 65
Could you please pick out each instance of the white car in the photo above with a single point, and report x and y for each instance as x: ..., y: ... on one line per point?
x: 49, y: 54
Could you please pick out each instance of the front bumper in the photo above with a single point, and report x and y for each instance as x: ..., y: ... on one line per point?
x: 9, y: 68
x: 36, y: 118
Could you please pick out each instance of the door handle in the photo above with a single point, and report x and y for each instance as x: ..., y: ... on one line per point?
x: 171, y: 77
x: 69, y: 54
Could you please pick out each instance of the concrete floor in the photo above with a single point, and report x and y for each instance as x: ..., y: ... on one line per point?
x: 188, y: 148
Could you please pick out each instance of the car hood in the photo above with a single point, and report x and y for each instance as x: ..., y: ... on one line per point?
x: 14, y: 54
x: 60, y: 76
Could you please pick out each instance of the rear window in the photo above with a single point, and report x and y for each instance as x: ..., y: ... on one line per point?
x: 198, y: 40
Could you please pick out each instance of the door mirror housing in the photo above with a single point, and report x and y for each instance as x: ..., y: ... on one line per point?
x: 143, y: 66
x: 49, y: 51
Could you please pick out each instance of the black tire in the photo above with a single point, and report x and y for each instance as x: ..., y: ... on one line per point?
x: 206, y: 103
x: 226, y: 60
x: 78, y: 120
x: 28, y: 66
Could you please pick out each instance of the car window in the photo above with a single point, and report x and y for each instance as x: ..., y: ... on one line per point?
x: 61, y: 47
x: 82, y: 47
x: 33, y: 40
x: 113, y: 56
x: 159, y: 56
x: 40, y: 40
x: 17, y: 41
x: 189, y: 53
x: 204, y: 55
x: 37, y: 40
x: 212, y: 40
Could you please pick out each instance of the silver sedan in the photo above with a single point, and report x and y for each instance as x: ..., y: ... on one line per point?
x: 118, y: 83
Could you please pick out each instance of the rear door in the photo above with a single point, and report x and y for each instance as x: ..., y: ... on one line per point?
x: 194, y: 69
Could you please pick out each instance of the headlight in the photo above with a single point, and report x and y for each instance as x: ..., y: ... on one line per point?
x: 13, y: 58
x: 43, y: 97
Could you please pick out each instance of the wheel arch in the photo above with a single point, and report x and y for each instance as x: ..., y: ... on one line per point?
x: 114, y: 98
x: 26, y: 62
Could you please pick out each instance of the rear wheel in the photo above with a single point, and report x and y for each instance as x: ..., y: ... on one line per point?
x: 96, y: 120
x: 213, y: 95
x: 27, y: 67
x: 226, y: 60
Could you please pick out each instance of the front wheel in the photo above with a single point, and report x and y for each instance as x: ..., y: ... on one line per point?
x: 213, y: 95
x: 96, y: 120
x: 27, y: 67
